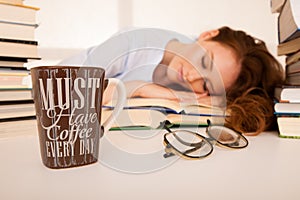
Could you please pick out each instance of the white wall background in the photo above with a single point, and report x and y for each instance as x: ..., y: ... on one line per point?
x: 69, y: 25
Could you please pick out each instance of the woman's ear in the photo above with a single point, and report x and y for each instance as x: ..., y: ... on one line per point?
x: 208, y: 35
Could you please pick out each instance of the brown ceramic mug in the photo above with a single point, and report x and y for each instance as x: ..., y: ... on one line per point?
x: 68, y: 107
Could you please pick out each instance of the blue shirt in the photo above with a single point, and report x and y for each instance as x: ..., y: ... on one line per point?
x: 130, y: 54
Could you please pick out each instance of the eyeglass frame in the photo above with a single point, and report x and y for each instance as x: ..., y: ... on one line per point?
x: 169, y: 147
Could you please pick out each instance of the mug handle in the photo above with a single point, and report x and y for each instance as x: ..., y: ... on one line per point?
x: 119, y: 105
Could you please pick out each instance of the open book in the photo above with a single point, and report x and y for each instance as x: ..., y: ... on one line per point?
x: 169, y: 106
x: 151, y: 119
x: 149, y: 113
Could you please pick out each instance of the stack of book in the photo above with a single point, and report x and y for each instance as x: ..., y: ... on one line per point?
x: 287, y: 110
x: 17, y: 47
x: 287, y: 106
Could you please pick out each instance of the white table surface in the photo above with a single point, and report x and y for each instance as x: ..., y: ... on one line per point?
x: 132, y: 167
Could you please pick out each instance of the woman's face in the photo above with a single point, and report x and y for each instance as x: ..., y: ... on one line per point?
x: 225, y: 65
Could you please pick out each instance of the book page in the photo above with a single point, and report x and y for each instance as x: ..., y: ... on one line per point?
x: 135, y: 118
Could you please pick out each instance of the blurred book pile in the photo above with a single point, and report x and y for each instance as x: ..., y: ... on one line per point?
x: 18, y: 47
x: 287, y: 106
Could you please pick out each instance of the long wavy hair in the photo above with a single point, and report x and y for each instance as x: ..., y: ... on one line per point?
x: 250, y: 99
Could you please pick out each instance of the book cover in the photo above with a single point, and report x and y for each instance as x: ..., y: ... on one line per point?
x: 293, y: 68
x: 288, y: 47
x: 276, y: 5
x: 293, y: 79
x: 15, y: 64
x: 289, y: 21
x: 17, y: 59
x: 292, y: 58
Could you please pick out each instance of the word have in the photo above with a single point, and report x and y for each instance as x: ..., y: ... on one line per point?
x: 82, y: 89
x: 61, y: 140
x: 79, y: 125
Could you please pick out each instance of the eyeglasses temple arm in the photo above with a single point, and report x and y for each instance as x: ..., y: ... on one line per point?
x: 165, y: 124
x: 167, y: 155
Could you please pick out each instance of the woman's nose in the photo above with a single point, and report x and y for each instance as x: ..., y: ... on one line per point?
x: 192, y: 75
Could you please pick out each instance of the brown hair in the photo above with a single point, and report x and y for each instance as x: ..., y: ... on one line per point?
x: 250, y: 98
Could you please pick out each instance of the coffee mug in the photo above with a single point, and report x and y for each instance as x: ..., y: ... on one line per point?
x: 68, y: 103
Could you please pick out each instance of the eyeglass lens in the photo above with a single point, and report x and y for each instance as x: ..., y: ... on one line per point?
x: 227, y: 137
x: 188, y: 144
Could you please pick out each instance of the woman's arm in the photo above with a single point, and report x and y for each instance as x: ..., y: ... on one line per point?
x: 151, y: 90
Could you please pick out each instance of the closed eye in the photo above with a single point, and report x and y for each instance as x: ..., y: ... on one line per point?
x: 207, y: 61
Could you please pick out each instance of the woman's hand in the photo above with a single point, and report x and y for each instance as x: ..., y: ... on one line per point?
x: 152, y: 90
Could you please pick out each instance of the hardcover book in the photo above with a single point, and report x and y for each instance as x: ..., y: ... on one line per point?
x: 289, y: 21
x: 288, y: 126
x: 9, y: 111
x: 276, y: 5
x: 287, y: 94
x: 17, y: 31
x: 12, y: 79
x: 18, y: 13
x: 293, y: 68
x: 10, y: 95
x: 18, y: 48
x: 288, y: 47
x: 151, y: 119
x: 287, y: 108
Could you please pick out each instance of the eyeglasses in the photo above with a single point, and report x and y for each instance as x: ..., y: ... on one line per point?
x: 191, y: 145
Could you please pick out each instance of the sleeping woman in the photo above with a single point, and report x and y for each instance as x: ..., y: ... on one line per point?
x: 164, y: 64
